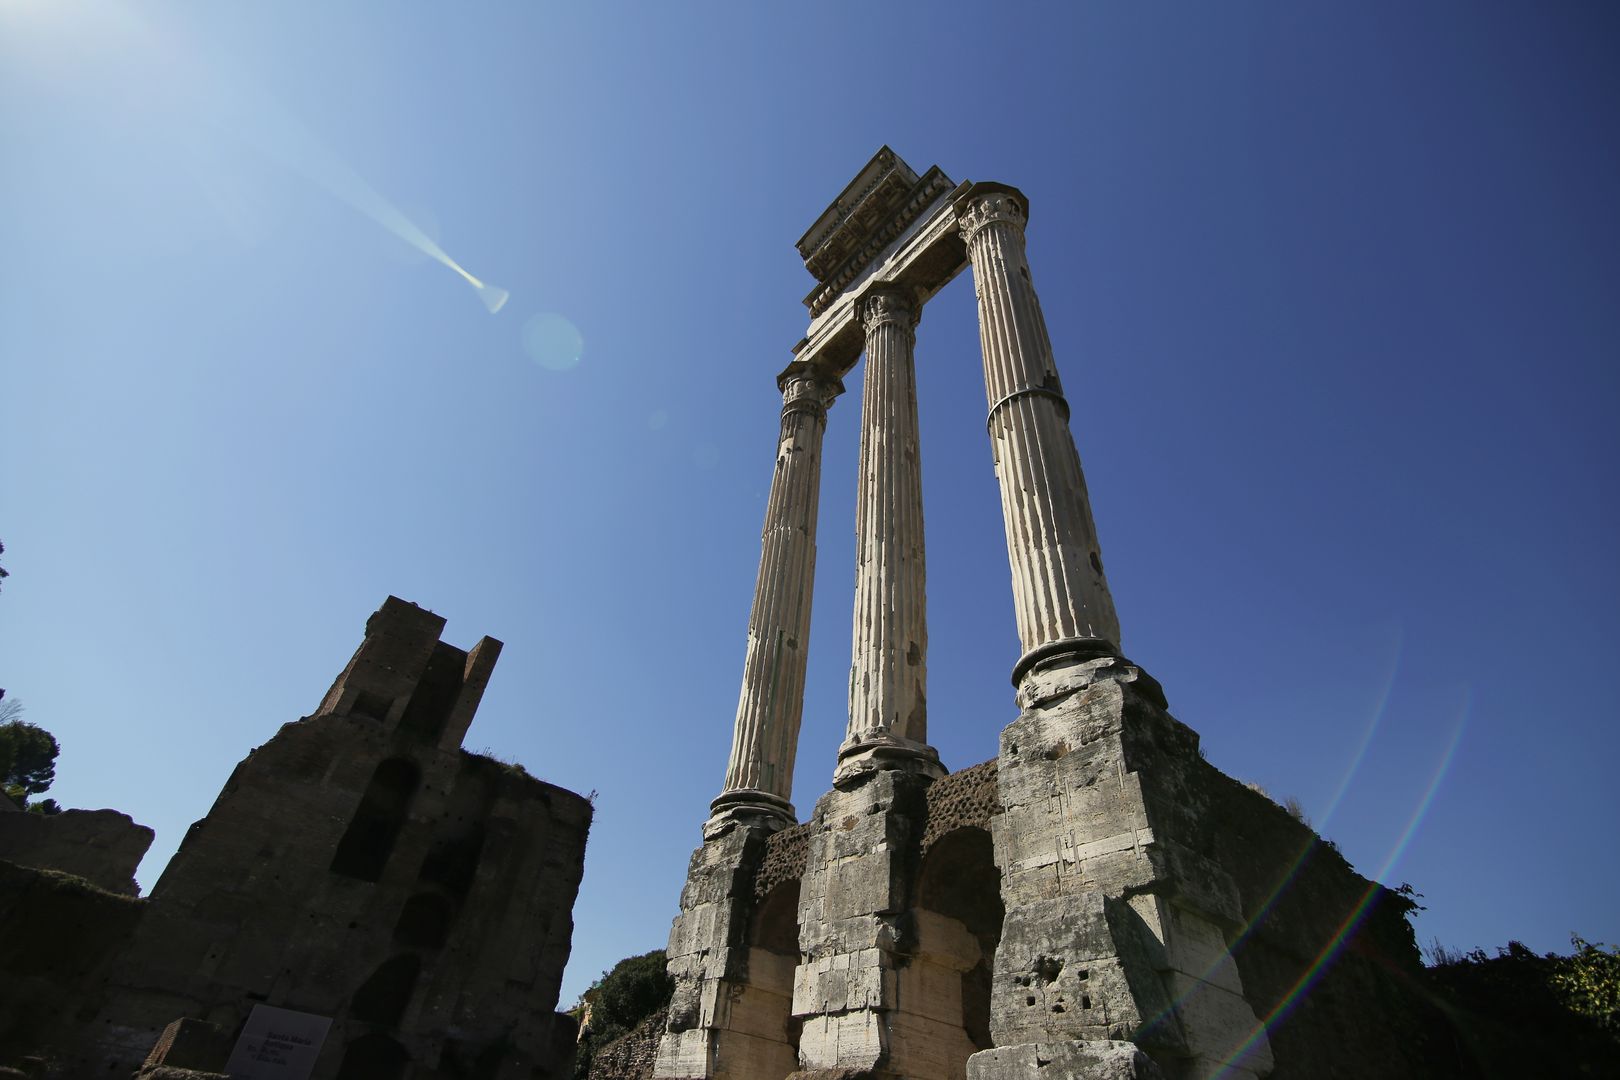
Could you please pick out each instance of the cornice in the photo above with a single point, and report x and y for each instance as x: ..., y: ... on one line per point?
x: 929, y: 187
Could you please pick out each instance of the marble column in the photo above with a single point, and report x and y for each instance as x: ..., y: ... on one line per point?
x: 759, y: 777
x: 888, y: 678
x: 1059, y: 592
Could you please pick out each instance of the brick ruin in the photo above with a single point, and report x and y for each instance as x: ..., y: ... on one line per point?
x: 360, y: 866
x: 1094, y: 901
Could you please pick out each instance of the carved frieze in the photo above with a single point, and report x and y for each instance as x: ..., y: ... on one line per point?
x: 930, y: 187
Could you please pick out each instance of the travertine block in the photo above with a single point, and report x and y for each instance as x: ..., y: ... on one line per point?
x: 1219, y: 1023
x: 1104, y: 905
x: 1183, y: 941
x: 1094, y: 1060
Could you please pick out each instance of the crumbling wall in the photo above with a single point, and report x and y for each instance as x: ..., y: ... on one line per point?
x: 967, y: 798
x: 1155, y: 904
x: 361, y: 866
x: 101, y: 846
x: 631, y: 1056
x: 61, y: 934
x: 1137, y: 910
x: 775, y: 927
x: 783, y: 860
x: 1367, y: 1010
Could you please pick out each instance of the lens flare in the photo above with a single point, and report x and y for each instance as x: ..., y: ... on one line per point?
x: 1335, y: 945
x: 267, y: 127
x: 209, y: 93
x: 1358, y: 912
x: 493, y: 296
x: 1292, y: 871
x: 553, y: 342
x: 1379, y: 709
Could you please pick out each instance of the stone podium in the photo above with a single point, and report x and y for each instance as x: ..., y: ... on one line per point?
x: 1069, y: 908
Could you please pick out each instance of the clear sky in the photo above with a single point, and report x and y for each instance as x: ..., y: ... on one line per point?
x: 1335, y: 290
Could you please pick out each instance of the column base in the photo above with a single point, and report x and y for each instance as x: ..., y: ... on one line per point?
x: 885, y: 753
x: 751, y: 807
x: 1074, y: 649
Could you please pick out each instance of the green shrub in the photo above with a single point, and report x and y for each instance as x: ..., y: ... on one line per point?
x: 625, y: 995
x: 1589, y: 982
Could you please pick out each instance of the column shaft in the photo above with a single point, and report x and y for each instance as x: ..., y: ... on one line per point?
x: 1059, y: 592
x: 888, y: 706
x: 765, y: 739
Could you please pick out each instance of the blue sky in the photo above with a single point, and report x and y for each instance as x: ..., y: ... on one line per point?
x: 1335, y: 291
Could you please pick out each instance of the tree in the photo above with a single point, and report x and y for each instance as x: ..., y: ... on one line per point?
x: 27, y: 755
x: 4, y: 573
x: 623, y: 997
x: 1589, y: 982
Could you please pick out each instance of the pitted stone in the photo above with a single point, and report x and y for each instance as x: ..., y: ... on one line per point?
x: 784, y: 860
x: 1118, y: 867
x: 1094, y: 1060
x: 965, y: 799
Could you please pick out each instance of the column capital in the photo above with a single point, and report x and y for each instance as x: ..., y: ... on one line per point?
x: 987, y: 203
x: 884, y: 302
x: 808, y: 389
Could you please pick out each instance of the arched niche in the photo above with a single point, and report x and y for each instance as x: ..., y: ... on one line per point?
x: 761, y: 1025
x: 946, y: 985
x: 424, y: 922
x: 369, y: 840
x: 382, y: 998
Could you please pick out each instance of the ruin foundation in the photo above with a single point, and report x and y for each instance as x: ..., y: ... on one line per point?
x: 360, y: 866
x: 1096, y: 901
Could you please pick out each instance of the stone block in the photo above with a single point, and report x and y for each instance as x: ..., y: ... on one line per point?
x: 1182, y: 940
x: 1200, y: 883
x: 1075, y: 1001
x: 1078, y: 1060
x: 683, y: 1055
x: 1219, y: 1024
x: 1069, y: 927
x: 860, y: 885
x: 843, y: 981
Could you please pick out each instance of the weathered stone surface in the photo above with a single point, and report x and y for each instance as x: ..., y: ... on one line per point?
x: 785, y: 854
x: 727, y: 1016
x: 1115, y: 921
x: 1096, y: 1060
x: 59, y: 935
x: 632, y: 1056
x: 968, y: 798
x: 1097, y: 901
x: 360, y: 866
x: 765, y: 736
x: 102, y: 846
x: 888, y: 678
x: 1059, y: 591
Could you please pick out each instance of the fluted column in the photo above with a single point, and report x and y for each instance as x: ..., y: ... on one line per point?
x: 1059, y: 591
x: 759, y: 777
x: 888, y: 678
